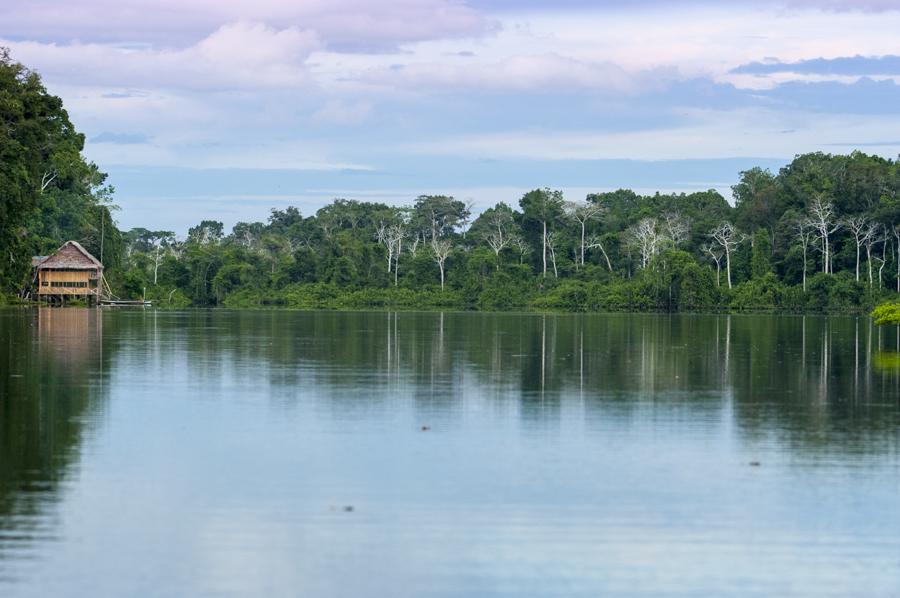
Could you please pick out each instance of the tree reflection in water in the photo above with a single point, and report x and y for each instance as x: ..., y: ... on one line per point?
x: 51, y: 394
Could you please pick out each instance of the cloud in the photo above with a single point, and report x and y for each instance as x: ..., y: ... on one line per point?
x: 240, y: 55
x: 341, y: 24
x: 583, y: 5
x: 547, y: 73
x: 119, y: 138
x: 845, y: 5
x: 865, y: 96
x: 848, y: 65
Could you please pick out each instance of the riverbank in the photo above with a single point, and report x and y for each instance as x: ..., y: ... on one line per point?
x: 825, y: 294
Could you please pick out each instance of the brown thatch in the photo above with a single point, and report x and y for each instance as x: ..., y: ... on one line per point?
x: 71, y: 256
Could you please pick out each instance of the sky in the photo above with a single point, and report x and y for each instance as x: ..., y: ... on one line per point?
x: 224, y: 109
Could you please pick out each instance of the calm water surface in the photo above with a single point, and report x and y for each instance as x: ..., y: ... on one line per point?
x: 216, y: 453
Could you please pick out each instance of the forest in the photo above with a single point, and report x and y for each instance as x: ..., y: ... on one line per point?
x: 820, y: 235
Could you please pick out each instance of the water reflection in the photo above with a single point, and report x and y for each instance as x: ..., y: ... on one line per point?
x: 51, y: 392
x: 585, y: 452
x: 821, y: 382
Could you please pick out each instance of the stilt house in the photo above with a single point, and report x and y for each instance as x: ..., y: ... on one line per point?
x: 69, y: 272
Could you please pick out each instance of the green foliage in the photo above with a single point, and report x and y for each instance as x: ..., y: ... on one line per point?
x: 697, y: 289
x: 760, y: 263
x: 49, y: 193
x: 764, y: 293
x: 887, y: 313
x: 835, y: 293
x: 331, y: 296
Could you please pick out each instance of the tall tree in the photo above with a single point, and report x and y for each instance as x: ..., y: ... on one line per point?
x: 439, y: 215
x: 441, y: 250
x: 825, y: 223
x: 646, y: 237
x: 862, y: 230
x: 583, y: 212
x: 728, y: 238
x: 804, y: 232
x: 544, y: 207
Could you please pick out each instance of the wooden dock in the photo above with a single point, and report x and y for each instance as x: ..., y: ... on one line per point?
x: 125, y: 303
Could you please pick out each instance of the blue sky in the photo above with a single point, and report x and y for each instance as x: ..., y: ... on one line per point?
x: 226, y: 108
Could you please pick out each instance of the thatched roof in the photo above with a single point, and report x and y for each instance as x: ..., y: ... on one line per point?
x: 71, y: 256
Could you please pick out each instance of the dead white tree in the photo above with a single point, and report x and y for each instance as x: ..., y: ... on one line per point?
x: 441, y: 248
x: 861, y: 229
x: 162, y: 243
x: 885, y: 241
x: 594, y: 242
x: 383, y: 235
x: 717, y: 258
x: 728, y: 238
x: 645, y: 237
x: 805, y: 232
x: 47, y: 178
x: 391, y: 236
x: 551, y: 248
x: 521, y: 246
x: 821, y: 217
x: 583, y: 212
x: 497, y: 242
x: 870, y: 237
x: 417, y: 238
x: 396, y: 233
x: 499, y: 238
x: 676, y: 228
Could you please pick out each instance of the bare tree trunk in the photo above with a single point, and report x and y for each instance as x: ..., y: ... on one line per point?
x: 868, y: 262
x: 728, y: 264
x: 544, y: 243
x: 582, y: 243
x: 553, y: 261
x: 606, y: 257
x: 804, y: 268
x: 397, y: 260
x: 156, y: 265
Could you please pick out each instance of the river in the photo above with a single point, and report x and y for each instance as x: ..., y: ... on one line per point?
x: 288, y: 453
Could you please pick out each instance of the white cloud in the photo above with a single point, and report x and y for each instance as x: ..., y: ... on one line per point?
x: 846, y: 5
x: 550, y: 73
x: 339, y: 23
x: 240, y: 55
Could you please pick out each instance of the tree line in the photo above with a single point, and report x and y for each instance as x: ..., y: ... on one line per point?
x: 821, y: 234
